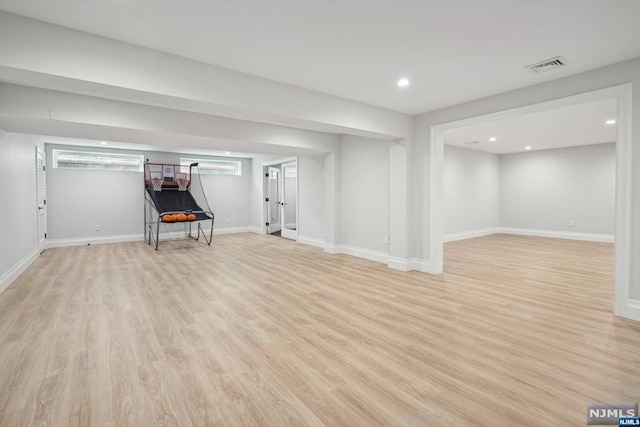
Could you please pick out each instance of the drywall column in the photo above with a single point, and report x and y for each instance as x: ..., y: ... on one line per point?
x: 332, y: 202
x: 399, y: 204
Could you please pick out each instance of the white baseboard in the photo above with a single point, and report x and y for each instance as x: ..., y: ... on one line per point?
x: 312, y: 241
x: 357, y: 252
x: 14, y: 272
x: 369, y: 254
x: 83, y: 241
x: 590, y: 237
x: 422, y: 265
x: 471, y: 234
x: 632, y: 311
x: 400, y: 264
x: 230, y: 230
x: 331, y: 248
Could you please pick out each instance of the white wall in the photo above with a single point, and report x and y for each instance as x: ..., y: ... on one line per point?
x: 364, y: 193
x: 544, y: 190
x: 81, y: 199
x: 471, y: 190
x: 537, y: 191
x: 230, y: 197
x: 18, y: 202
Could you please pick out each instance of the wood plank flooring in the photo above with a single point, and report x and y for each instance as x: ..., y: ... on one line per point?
x: 258, y: 330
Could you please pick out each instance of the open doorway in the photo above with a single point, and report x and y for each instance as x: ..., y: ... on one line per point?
x: 623, y: 304
x: 545, y: 174
x: 280, y: 193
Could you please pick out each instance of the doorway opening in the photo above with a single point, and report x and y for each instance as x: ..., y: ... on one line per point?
x: 280, y: 195
x: 624, y: 305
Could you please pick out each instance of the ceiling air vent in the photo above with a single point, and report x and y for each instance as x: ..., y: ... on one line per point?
x: 547, y: 64
x: 472, y: 142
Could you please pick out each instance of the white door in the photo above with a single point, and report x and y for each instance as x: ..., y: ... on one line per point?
x: 273, y: 202
x: 289, y: 200
x: 41, y: 179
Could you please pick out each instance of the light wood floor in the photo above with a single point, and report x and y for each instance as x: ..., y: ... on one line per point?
x: 263, y: 331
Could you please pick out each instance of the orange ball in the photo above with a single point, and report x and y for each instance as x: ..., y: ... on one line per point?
x: 191, y: 217
x: 181, y: 217
x: 168, y: 218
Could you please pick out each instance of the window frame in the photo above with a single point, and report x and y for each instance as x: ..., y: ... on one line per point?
x: 186, y: 161
x: 56, y: 165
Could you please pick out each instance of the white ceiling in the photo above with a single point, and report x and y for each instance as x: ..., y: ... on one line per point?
x: 581, y: 124
x: 452, y: 51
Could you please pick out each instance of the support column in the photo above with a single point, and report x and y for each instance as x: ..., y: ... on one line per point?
x: 332, y: 202
x: 399, y: 205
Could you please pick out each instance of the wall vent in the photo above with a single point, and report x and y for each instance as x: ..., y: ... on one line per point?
x: 547, y: 64
x: 472, y: 142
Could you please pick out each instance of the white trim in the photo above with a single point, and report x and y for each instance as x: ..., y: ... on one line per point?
x: 590, y: 237
x: 230, y: 230
x: 422, y: 265
x: 14, y: 272
x: 410, y: 264
x: 333, y: 249
x: 83, y: 241
x: 369, y: 254
x: 281, y: 162
x: 433, y: 193
x: 357, y: 252
x: 121, y: 238
x: 471, y: 234
x: 401, y: 264
x: 632, y: 310
x: 312, y: 241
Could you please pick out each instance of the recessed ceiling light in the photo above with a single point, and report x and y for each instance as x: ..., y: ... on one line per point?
x: 227, y: 153
x: 103, y: 142
x: 493, y: 139
x: 610, y: 122
x: 528, y: 147
x: 403, y: 82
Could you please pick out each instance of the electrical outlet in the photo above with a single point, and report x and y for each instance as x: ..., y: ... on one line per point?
x: 97, y: 227
x: 570, y: 223
x: 386, y: 240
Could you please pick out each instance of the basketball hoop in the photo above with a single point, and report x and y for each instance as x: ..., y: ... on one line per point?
x: 157, y: 184
x: 182, y: 184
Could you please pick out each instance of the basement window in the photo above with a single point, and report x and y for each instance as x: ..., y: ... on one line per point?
x: 66, y: 159
x: 213, y: 167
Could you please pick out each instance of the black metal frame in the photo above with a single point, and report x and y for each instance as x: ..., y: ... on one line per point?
x: 148, y: 225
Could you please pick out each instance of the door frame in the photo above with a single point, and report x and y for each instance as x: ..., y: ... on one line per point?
x: 285, y: 232
x: 272, y: 228
x: 433, y: 200
x: 41, y: 241
x: 265, y: 213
